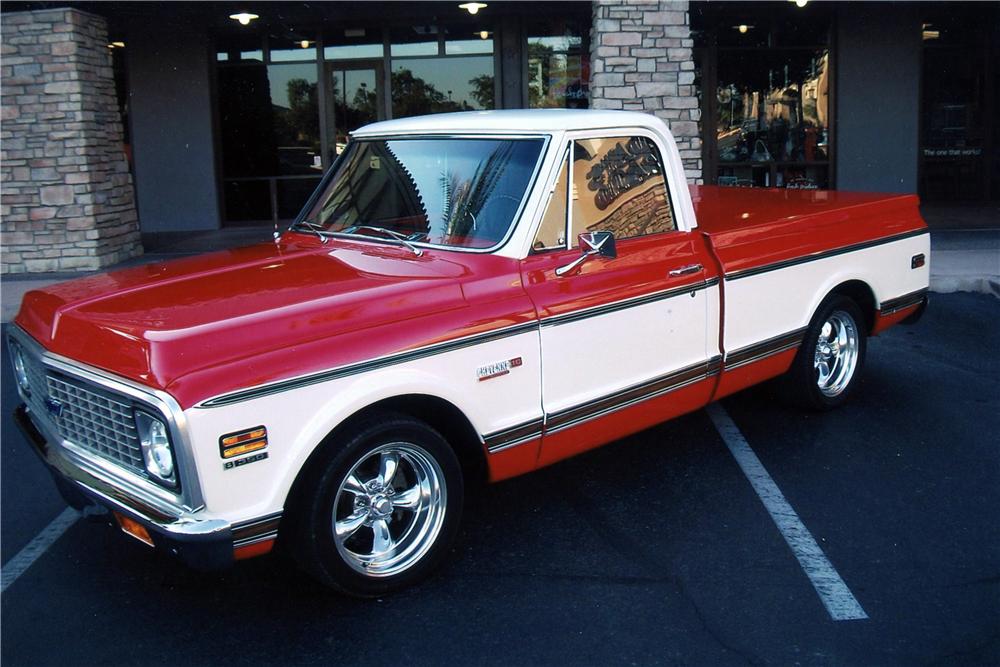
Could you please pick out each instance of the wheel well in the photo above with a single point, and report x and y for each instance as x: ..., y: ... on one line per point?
x: 859, y: 292
x: 436, y: 412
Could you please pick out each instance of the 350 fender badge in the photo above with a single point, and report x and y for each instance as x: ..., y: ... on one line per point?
x: 229, y: 465
x: 496, y: 369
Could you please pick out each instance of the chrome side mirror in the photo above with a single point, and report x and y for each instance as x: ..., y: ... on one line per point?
x: 591, y: 243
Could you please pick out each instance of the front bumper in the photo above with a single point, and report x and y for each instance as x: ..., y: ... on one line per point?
x: 204, y: 544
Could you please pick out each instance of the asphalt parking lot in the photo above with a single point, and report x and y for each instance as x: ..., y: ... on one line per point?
x: 655, y: 549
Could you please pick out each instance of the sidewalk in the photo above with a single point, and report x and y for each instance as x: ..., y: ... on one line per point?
x: 961, y: 260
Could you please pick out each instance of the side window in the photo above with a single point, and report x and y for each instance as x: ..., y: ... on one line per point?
x: 619, y: 186
x: 552, y: 232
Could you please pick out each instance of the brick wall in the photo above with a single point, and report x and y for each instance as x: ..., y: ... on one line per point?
x: 641, y: 60
x: 66, y: 197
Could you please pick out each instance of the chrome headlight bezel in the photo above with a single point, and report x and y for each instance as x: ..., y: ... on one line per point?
x: 157, y: 448
x: 20, y: 370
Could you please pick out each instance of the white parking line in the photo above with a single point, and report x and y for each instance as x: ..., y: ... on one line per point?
x: 36, y: 547
x: 833, y: 592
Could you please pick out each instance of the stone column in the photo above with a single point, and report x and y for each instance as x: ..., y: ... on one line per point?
x: 641, y: 60
x: 67, y: 201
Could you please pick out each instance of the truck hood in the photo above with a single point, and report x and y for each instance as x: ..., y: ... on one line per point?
x: 160, y: 323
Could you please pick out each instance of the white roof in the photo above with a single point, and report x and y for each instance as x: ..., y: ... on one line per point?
x: 514, y: 120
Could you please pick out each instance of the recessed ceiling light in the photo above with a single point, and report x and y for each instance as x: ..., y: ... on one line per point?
x: 472, y: 7
x: 244, y: 17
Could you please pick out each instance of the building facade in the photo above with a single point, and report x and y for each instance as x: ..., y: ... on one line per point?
x: 183, y: 117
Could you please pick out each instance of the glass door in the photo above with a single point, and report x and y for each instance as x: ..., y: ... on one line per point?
x: 354, y: 98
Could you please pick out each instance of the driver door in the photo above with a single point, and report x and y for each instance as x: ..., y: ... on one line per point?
x: 623, y: 338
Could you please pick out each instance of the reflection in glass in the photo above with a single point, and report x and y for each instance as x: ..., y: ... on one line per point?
x: 456, y: 192
x: 292, y: 194
x: 355, y: 102
x: 558, y: 66
x: 772, y: 106
x: 417, y: 40
x: 619, y: 186
x: 247, y: 201
x: 352, y: 44
x: 436, y: 85
x: 292, y: 47
x: 552, y: 230
x: 296, y: 118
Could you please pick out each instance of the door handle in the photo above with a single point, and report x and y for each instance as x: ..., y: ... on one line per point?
x: 687, y: 270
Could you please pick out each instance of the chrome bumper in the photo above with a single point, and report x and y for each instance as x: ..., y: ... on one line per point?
x: 200, y: 542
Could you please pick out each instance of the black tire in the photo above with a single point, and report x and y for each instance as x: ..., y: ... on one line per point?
x: 804, y: 383
x: 425, y: 531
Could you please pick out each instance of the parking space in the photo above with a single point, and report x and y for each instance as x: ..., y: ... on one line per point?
x: 655, y: 549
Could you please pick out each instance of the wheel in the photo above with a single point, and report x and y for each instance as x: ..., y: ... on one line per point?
x: 829, y: 363
x: 382, y: 510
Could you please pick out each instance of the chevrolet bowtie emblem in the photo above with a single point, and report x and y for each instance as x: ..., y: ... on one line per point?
x: 54, y: 407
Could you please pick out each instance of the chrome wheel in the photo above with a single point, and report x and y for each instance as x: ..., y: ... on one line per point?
x: 389, y: 509
x: 837, y: 352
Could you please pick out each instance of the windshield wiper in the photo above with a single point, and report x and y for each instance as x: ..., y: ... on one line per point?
x: 314, y: 228
x: 390, y: 233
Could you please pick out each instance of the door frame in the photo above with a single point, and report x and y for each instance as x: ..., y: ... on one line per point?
x: 328, y: 124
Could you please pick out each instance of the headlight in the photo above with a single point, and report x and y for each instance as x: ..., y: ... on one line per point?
x: 20, y: 372
x: 154, y: 437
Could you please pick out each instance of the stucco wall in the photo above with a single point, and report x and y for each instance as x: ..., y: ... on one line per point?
x: 170, y: 83
x: 878, y: 96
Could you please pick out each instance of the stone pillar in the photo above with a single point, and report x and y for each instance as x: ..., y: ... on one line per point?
x: 67, y: 201
x: 641, y: 60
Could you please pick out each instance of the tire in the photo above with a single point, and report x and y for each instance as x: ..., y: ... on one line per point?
x: 828, y: 365
x: 365, y: 535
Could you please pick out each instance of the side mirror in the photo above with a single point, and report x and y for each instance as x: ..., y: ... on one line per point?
x: 591, y: 243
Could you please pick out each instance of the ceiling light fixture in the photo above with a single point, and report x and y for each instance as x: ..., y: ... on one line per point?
x: 801, y: 3
x: 743, y: 27
x: 473, y: 7
x: 484, y: 34
x: 305, y: 43
x: 116, y: 45
x: 244, y: 17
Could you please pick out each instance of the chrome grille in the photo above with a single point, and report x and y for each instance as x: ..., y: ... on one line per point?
x: 92, y: 420
x: 97, y: 422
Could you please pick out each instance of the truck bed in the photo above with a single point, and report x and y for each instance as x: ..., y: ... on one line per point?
x: 753, y: 228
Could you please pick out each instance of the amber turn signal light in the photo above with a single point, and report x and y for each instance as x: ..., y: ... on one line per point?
x: 134, y: 528
x: 242, y: 442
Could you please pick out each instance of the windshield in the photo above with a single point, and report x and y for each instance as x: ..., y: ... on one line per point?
x: 446, y: 191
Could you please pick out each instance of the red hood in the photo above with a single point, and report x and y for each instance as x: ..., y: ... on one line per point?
x: 169, y: 323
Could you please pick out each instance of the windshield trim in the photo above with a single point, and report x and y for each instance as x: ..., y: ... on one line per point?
x: 515, y: 221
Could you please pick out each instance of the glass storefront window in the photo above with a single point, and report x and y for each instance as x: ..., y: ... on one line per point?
x: 558, y: 65
x: 773, y: 106
x: 352, y: 44
x: 763, y: 72
x: 293, y: 95
x: 417, y: 40
x: 436, y: 85
x: 292, y: 47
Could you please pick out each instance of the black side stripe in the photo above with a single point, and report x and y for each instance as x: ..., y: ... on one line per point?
x: 757, y: 351
x: 256, y: 530
x: 364, y: 366
x: 627, y: 303
x: 746, y: 273
x: 630, y: 396
x: 515, y: 435
x: 899, y: 303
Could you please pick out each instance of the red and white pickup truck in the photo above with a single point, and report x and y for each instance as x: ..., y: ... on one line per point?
x: 466, y: 297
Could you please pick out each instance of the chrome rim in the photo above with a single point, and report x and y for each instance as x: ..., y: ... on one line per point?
x: 837, y: 351
x: 389, y: 509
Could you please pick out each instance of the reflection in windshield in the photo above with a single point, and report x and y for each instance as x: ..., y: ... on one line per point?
x: 455, y: 192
